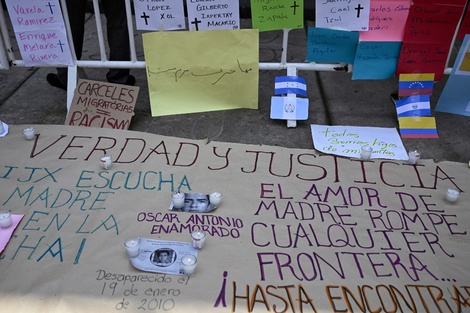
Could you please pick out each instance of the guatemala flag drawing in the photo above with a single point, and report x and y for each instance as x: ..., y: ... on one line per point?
x: 289, y: 108
x: 414, y: 106
x: 290, y: 84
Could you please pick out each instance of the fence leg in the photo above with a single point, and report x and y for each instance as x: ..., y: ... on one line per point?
x: 72, y: 79
x: 291, y: 71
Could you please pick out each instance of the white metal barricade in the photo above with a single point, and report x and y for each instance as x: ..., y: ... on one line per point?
x: 7, y: 56
x: 134, y: 63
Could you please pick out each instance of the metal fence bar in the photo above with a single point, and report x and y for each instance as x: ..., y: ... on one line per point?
x: 4, y: 65
x: 6, y: 49
x: 130, y: 25
x: 99, y: 30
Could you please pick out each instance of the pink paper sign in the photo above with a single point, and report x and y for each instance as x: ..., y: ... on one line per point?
x: 6, y: 233
x: 387, y: 20
x: 428, y: 35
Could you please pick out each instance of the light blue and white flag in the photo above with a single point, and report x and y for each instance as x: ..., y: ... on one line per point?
x: 289, y: 108
x: 414, y: 106
x: 290, y: 84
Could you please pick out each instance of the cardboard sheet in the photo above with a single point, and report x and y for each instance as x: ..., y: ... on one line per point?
x: 296, y: 230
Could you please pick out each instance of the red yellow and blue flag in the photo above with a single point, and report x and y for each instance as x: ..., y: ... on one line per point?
x: 418, y: 127
x: 415, y: 84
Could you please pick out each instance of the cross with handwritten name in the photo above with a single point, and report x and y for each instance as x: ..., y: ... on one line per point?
x: 145, y: 17
x: 50, y: 7
x: 358, y: 9
x: 196, y: 22
x: 295, y: 6
x: 61, y: 45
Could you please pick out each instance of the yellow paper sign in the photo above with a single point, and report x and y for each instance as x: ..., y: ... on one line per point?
x: 465, y: 65
x: 202, y: 71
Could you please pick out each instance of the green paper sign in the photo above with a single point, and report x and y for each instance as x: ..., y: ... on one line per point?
x: 277, y: 14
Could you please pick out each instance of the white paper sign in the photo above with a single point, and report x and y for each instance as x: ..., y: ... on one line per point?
x: 159, y: 15
x: 213, y: 14
x: 343, y: 15
x: 40, y: 32
x: 348, y: 140
x: 162, y: 256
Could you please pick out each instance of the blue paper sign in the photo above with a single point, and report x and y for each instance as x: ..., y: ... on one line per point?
x: 330, y: 45
x: 376, y: 60
x: 455, y: 98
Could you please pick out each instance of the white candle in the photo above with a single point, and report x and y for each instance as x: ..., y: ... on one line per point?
x: 5, y: 219
x: 28, y: 133
x: 215, y: 198
x: 133, y: 247
x: 178, y: 199
x: 106, y: 161
x: 199, y: 237
x: 452, y: 195
x: 189, y: 262
x: 2, y: 129
x: 413, y: 157
x: 366, y: 152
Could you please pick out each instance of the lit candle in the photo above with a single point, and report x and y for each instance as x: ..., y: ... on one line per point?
x: 178, y: 199
x: 28, y: 133
x: 215, y: 198
x: 133, y: 247
x: 452, y: 195
x: 199, y: 237
x: 106, y: 161
x: 189, y: 262
x: 366, y: 152
x: 413, y: 157
x: 5, y: 219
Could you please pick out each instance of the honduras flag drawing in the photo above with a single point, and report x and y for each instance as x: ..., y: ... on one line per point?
x: 414, y: 106
x: 290, y: 84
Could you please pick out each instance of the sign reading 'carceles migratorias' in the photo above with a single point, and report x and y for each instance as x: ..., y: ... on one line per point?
x: 101, y: 104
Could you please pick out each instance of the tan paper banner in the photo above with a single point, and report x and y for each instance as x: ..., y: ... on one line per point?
x: 296, y: 231
x: 202, y: 71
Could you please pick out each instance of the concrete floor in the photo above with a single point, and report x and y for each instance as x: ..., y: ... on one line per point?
x: 335, y: 99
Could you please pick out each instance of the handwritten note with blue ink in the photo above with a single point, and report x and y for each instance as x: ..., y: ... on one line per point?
x: 329, y: 45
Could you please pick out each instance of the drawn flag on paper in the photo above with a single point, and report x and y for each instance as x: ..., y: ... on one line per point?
x: 289, y: 108
x: 419, y: 105
x: 415, y: 84
x: 418, y: 127
x: 290, y: 84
